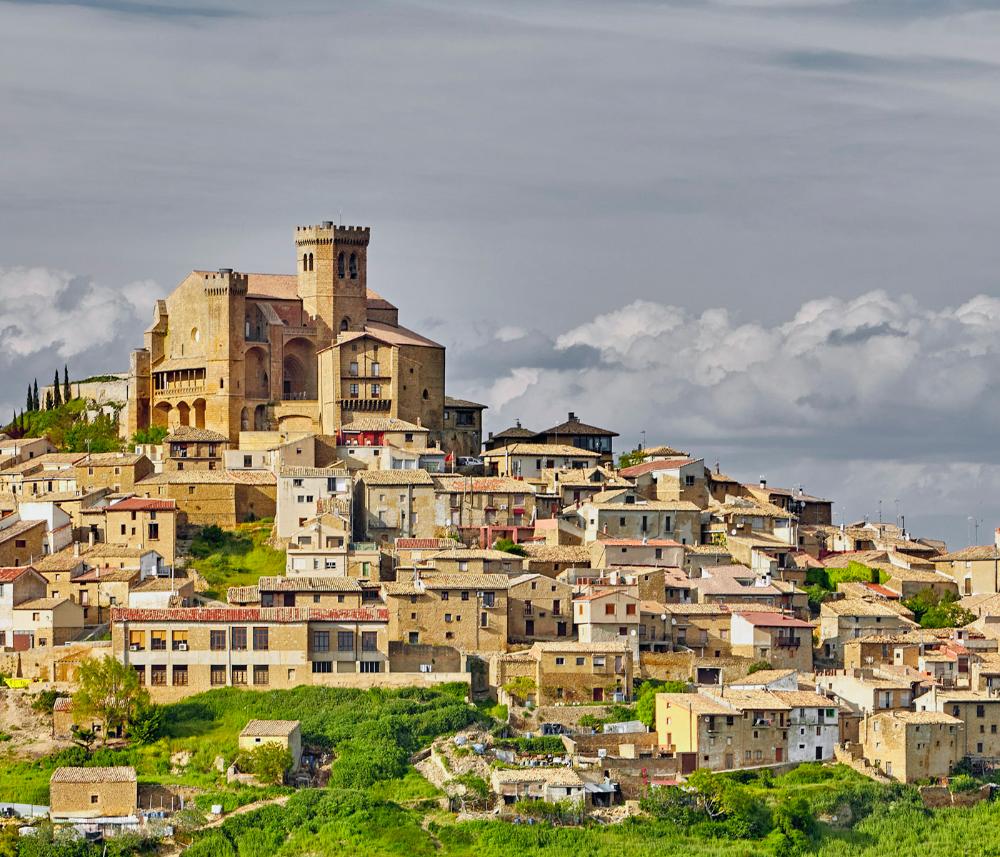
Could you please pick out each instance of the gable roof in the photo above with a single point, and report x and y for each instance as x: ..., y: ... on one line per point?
x: 573, y: 426
x: 541, y: 450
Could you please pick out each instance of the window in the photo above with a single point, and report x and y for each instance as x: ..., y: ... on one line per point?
x: 238, y: 639
x: 140, y: 671
x: 341, y: 266
x: 630, y: 610
x: 371, y: 666
x: 354, y: 391
x: 345, y: 641
x: 484, y: 620
x: 599, y: 660
x: 560, y: 661
x: 581, y: 661
x: 489, y: 599
x: 321, y: 641
x: 158, y: 641
x: 136, y: 640
x: 217, y: 640
x: 261, y: 674
x: 369, y: 641
x: 248, y: 461
x: 218, y: 674
x: 322, y: 666
x: 609, y: 609
x: 980, y: 711
x: 413, y: 638
x: 354, y: 266
x: 158, y: 675
x: 689, y: 480
x: 353, y: 371
x: 260, y: 641
x: 376, y: 391
x: 180, y: 675
x: 374, y: 371
x: 93, y: 798
x: 239, y: 674
x: 154, y: 531
x: 465, y: 595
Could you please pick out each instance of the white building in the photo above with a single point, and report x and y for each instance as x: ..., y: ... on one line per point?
x: 58, y: 525
x: 301, y: 491
x: 814, y: 725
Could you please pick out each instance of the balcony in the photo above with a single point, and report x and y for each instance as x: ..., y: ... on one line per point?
x: 787, y: 642
x: 365, y: 404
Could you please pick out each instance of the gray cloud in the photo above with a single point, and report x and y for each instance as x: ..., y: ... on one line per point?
x: 862, y: 333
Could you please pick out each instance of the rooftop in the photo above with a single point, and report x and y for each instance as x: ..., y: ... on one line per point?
x: 541, y: 450
x: 119, y: 774
x: 269, y: 728
x: 190, y: 434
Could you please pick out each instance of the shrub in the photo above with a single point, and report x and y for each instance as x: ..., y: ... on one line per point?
x: 963, y: 783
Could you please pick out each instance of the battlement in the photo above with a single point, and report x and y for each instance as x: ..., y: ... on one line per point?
x: 225, y: 281
x: 329, y: 232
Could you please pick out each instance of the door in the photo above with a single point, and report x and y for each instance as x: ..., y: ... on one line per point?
x: 529, y: 627
x: 561, y: 629
x: 819, y: 754
x: 288, y: 599
x: 779, y: 754
x: 729, y: 761
x: 598, y: 694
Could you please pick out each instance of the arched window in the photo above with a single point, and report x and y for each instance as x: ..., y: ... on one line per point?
x: 310, y: 261
x: 426, y: 394
x: 305, y: 261
x: 340, y: 266
x: 354, y: 266
x: 345, y: 323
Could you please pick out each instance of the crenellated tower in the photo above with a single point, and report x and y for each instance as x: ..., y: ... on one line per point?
x: 332, y: 265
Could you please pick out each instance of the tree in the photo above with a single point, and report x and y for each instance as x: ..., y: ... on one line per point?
x: 645, y: 703
x: 938, y: 611
x: 48, y: 400
x: 520, y: 687
x: 82, y: 737
x: 270, y: 762
x: 508, y: 546
x: 37, y: 402
x: 147, y: 724
x: 109, y: 691
x: 29, y: 402
x: 757, y: 666
x: 630, y: 459
x: 67, y: 391
x: 56, y: 390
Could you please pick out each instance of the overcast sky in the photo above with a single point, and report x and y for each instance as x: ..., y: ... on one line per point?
x: 764, y: 232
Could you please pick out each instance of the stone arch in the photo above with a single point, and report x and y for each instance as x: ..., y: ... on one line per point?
x: 183, y: 414
x: 354, y: 266
x: 161, y: 415
x: 345, y: 323
x: 245, y: 420
x: 341, y: 265
x: 298, y: 370
x: 256, y: 381
x: 260, y: 418
x: 198, y: 406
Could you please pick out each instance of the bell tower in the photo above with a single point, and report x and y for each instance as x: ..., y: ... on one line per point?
x: 332, y: 266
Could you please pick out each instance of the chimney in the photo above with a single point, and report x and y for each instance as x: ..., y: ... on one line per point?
x: 90, y: 538
x: 491, y: 436
x: 996, y: 538
x: 763, y: 483
x: 572, y: 417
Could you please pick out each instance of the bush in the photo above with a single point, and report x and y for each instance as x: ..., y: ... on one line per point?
x: 270, y: 762
x: 963, y: 783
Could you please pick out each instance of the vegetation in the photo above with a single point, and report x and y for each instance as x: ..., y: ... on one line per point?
x: 822, y: 582
x: 268, y: 763
x: 68, y: 428
x: 109, y: 691
x: 235, y: 558
x: 521, y: 687
x: 938, y: 611
x: 152, y: 436
x: 509, y: 546
x: 630, y: 459
x: 645, y: 699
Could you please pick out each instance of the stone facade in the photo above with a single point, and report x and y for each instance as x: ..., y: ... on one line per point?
x: 144, y: 524
x: 82, y: 793
x: 232, y: 352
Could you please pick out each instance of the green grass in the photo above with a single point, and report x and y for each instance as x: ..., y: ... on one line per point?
x: 235, y: 558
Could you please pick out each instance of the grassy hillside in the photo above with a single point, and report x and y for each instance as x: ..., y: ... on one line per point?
x: 235, y: 558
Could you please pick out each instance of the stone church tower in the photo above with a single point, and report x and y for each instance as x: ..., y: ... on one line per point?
x: 333, y: 275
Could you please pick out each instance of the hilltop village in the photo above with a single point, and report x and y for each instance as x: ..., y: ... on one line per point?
x: 547, y: 571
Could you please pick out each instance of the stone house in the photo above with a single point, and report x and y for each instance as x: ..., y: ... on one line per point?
x: 551, y: 560
x: 285, y: 733
x: 58, y: 524
x: 15, y: 451
x: 580, y: 435
x: 670, y: 479
x: 466, y: 504
x: 117, y: 471
x: 462, y: 434
x: 568, y: 671
x: 91, y: 793
x: 850, y: 618
x: 783, y: 641
x: 21, y: 542
x: 539, y: 608
x: 190, y: 448
x: 976, y: 569
x: 456, y: 560
x: 548, y: 784
x: 391, y: 504
x: 624, y: 515
x: 605, y: 615
x: 465, y: 611
x: 910, y: 746
x: 810, y: 510
x: 867, y: 691
x: 980, y: 715
x: 143, y: 523
x: 605, y: 553
x: 222, y: 497
x: 320, y: 591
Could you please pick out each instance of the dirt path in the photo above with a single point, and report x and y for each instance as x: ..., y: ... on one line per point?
x: 281, y: 800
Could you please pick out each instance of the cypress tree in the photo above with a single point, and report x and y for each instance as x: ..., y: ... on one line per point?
x: 67, y: 392
x: 38, y: 402
x: 56, y: 391
x: 48, y: 400
x: 29, y: 400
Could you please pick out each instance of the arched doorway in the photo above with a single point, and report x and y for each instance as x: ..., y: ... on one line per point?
x: 298, y: 379
x: 161, y: 415
x: 260, y: 418
x: 199, y: 413
x: 244, y: 420
x: 255, y: 380
x: 183, y: 414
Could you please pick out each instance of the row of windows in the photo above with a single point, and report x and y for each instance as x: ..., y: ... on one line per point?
x: 237, y: 674
x: 216, y: 640
x: 345, y: 641
x: 376, y: 391
x: 363, y: 666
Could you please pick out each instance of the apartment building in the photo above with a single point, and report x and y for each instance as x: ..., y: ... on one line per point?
x: 567, y: 671
x: 180, y: 651
x: 625, y: 515
x: 607, y: 615
x: 322, y: 591
x: 320, y: 546
x: 529, y: 460
x: 143, y: 523
x: 782, y: 640
x: 466, y: 504
x: 392, y: 504
x: 303, y: 492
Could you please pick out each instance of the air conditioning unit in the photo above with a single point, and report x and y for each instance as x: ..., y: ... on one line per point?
x: 133, y: 648
x: 503, y: 507
x: 182, y: 647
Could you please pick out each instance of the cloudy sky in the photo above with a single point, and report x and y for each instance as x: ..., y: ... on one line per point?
x: 762, y: 231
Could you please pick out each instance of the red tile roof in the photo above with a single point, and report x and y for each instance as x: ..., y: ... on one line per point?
x: 879, y: 589
x: 650, y: 466
x: 637, y: 543
x: 772, y: 620
x: 143, y: 504
x: 10, y: 573
x: 250, y: 614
